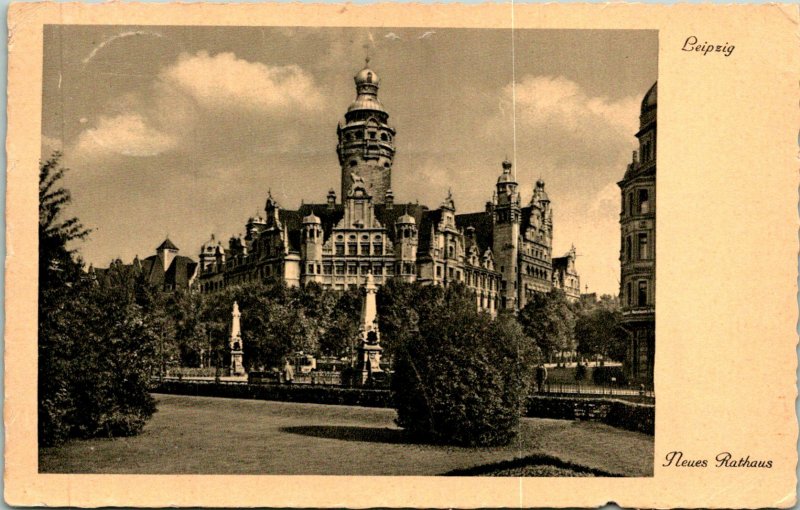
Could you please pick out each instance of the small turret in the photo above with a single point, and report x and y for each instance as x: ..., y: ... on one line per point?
x: 166, y: 252
x: 312, y: 248
x: 405, y: 247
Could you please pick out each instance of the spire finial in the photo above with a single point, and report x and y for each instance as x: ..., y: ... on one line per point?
x: 366, y: 61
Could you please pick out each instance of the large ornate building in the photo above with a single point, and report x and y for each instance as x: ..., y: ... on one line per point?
x: 638, y: 248
x: 503, y: 253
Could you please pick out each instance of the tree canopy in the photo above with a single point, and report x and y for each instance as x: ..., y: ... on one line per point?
x: 461, y: 377
x: 549, y: 320
x: 96, y: 346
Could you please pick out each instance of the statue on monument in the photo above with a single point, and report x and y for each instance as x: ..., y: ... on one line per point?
x: 369, y: 352
x: 236, y: 346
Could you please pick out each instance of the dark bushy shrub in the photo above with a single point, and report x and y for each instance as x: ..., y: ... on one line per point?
x: 580, y: 372
x: 462, y: 378
x: 604, y: 375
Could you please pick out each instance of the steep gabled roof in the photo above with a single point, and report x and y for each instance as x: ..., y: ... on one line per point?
x: 180, y: 271
x: 167, y: 245
x: 483, y: 225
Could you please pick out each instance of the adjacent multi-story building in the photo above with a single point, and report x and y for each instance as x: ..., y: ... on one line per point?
x: 638, y: 243
x: 504, y: 253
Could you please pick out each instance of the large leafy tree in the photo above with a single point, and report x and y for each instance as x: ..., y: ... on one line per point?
x: 185, y: 309
x: 462, y: 377
x: 398, y: 319
x: 340, y: 339
x: 96, y: 344
x: 598, y: 331
x: 548, y: 319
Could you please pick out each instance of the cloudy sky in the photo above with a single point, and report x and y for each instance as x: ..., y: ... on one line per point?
x: 181, y: 131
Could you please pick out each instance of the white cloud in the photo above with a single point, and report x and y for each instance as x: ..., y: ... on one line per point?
x: 225, y: 81
x: 607, y: 200
x: 548, y: 100
x: 127, y: 134
x: 196, y: 104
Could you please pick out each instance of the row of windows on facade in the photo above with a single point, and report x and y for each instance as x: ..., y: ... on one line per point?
x: 376, y: 269
x: 265, y: 271
x: 488, y: 302
x: 372, y: 135
x: 472, y: 279
x: 643, y: 248
x: 640, y: 297
x: 352, y: 248
x: 643, y: 202
x: 536, y: 272
x: 536, y: 253
x: 354, y: 162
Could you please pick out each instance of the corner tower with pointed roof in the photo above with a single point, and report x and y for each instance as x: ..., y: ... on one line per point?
x: 366, y: 141
x: 166, y: 251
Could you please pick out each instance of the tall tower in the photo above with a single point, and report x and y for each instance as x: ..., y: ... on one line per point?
x: 505, y: 241
x: 638, y: 242
x: 366, y: 141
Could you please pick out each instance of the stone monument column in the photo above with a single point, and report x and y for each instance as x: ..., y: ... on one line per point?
x: 237, y: 353
x: 369, y: 352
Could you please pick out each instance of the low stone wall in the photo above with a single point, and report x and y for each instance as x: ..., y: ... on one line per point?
x: 617, y: 413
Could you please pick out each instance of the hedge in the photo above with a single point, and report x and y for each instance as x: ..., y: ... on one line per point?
x: 617, y: 413
x: 281, y: 392
x: 603, y: 376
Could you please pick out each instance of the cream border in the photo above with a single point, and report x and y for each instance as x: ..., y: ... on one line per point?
x: 727, y: 252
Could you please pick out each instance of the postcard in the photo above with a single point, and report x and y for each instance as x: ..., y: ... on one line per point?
x: 401, y: 255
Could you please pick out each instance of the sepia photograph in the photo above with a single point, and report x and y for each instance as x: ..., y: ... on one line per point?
x: 347, y: 251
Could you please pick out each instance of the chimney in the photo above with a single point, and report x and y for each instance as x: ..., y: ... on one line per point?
x: 331, y: 198
x: 389, y: 199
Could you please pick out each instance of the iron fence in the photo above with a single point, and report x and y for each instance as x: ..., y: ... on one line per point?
x: 595, y: 389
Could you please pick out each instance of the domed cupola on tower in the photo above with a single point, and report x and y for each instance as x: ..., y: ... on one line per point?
x: 366, y: 141
x: 507, y: 186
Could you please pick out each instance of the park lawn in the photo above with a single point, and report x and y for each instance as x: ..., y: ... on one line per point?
x: 206, y: 435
